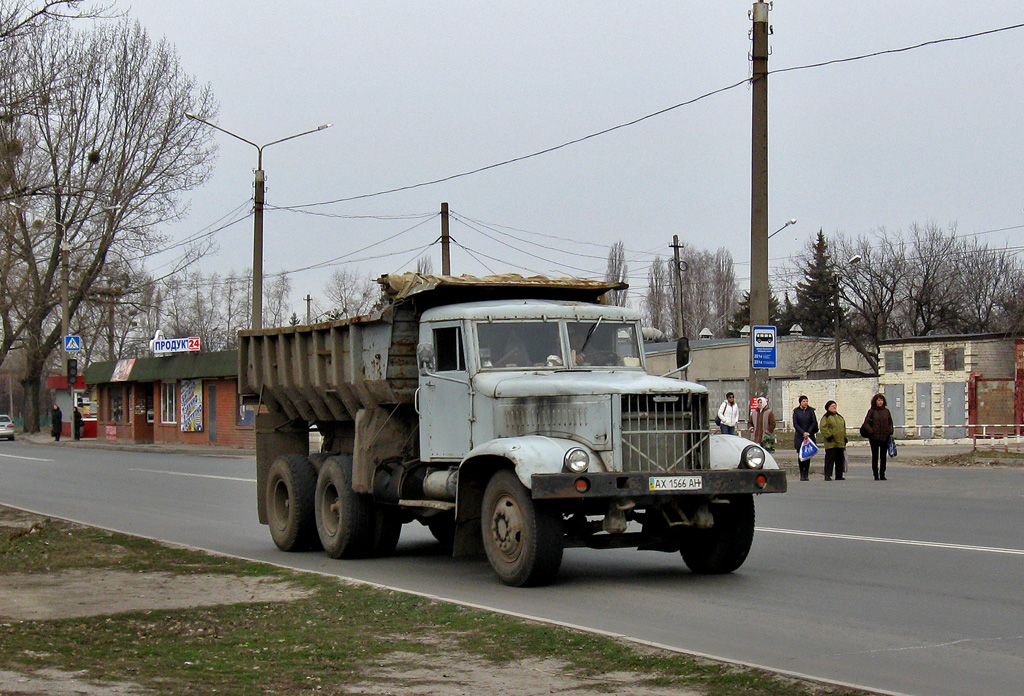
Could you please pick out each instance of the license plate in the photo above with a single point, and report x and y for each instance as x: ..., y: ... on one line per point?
x: 676, y: 483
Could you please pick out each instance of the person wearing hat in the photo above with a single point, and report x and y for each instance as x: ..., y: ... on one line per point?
x: 762, y: 425
x: 55, y: 422
x: 833, y: 437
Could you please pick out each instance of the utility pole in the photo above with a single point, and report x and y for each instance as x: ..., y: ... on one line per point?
x: 759, y: 189
x: 309, y: 316
x: 677, y: 278
x: 446, y: 257
x: 256, y: 321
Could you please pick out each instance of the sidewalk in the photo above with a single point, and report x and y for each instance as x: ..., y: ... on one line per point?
x: 45, y: 439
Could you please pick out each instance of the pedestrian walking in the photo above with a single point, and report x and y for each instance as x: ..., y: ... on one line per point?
x: 56, y: 418
x: 805, y: 425
x: 762, y: 424
x: 833, y: 437
x: 76, y: 423
x: 729, y: 414
x: 878, y: 428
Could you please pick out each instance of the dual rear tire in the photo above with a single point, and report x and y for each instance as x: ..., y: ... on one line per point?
x: 307, y: 510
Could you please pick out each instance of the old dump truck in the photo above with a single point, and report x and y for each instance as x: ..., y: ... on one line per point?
x: 512, y: 416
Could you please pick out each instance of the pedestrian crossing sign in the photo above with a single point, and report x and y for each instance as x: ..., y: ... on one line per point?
x: 72, y: 344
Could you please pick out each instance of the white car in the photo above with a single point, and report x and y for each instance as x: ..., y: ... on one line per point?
x: 6, y: 427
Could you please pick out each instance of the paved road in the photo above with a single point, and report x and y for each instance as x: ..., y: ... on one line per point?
x: 911, y: 585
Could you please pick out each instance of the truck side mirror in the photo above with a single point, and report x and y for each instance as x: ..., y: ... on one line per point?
x: 425, y: 359
x: 683, y: 352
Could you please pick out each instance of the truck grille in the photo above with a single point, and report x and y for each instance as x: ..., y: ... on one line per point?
x: 664, y: 432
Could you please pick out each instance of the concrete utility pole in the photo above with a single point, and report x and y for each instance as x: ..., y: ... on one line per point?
x: 446, y: 254
x: 309, y: 315
x: 677, y: 282
x: 759, y: 190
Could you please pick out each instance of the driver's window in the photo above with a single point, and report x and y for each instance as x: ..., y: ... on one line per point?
x: 448, y: 349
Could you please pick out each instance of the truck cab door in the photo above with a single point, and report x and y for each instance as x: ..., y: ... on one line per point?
x: 443, y: 398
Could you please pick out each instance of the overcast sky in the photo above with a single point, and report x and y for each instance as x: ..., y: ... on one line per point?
x: 418, y: 91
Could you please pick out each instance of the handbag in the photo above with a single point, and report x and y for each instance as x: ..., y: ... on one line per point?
x: 808, y: 449
x: 892, y: 447
x: 846, y: 463
x: 864, y: 431
x: 718, y: 421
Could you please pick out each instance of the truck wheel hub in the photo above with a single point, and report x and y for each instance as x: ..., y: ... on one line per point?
x: 507, y: 527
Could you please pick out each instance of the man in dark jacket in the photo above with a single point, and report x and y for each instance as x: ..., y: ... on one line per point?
x: 805, y: 424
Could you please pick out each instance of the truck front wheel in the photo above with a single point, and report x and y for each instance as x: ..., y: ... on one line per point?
x: 290, y: 484
x: 723, y: 547
x: 523, y: 541
x: 344, y: 519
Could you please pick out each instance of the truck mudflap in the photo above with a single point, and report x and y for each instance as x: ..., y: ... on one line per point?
x: 656, y: 485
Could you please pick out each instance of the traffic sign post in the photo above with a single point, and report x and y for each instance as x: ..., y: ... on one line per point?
x: 763, y: 347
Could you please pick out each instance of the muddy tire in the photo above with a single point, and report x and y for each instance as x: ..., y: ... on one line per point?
x: 344, y: 518
x: 523, y: 540
x: 291, y: 482
x: 723, y: 547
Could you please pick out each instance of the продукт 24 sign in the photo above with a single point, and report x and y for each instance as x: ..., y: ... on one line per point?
x: 176, y: 345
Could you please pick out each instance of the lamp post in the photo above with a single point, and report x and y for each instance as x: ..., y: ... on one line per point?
x: 839, y: 360
x: 257, y: 220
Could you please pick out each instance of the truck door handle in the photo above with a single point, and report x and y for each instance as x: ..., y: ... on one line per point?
x: 416, y: 400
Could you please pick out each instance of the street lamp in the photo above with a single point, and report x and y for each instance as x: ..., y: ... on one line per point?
x: 791, y: 221
x: 839, y: 361
x: 257, y: 221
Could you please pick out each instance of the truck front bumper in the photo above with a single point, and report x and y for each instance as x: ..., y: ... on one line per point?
x: 656, y: 485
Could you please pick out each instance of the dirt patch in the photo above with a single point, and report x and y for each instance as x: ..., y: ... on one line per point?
x: 978, y: 458
x: 91, y: 592
x: 406, y: 674
x: 53, y: 682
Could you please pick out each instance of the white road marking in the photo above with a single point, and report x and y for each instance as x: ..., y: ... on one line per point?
x: 31, y: 459
x: 182, y: 473
x: 904, y: 542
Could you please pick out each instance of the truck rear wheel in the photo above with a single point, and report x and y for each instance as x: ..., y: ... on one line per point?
x: 442, y: 526
x: 388, y: 530
x: 523, y: 541
x: 723, y: 547
x: 345, y: 519
x: 290, y: 485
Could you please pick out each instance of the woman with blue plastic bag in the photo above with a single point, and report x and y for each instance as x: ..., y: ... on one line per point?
x: 805, y: 426
x: 833, y: 437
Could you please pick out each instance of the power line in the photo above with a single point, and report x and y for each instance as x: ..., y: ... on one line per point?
x: 660, y: 112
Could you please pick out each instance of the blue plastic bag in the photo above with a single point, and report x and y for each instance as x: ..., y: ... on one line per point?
x: 808, y: 449
x: 892, y: 447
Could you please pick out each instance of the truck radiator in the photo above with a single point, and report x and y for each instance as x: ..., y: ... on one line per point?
x: 665, y: 432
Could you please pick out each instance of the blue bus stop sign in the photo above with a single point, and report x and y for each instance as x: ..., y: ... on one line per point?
x: 763, y: 347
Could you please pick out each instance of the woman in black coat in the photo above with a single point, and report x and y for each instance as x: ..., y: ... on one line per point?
x: 878, y: 428
x: 805, y: 424
x: 55, y: 422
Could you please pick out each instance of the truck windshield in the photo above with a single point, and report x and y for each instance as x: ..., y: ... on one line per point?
x: 601, y: 343
x: 505, y: 344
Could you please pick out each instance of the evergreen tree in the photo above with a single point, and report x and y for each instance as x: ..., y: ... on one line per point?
x: 742, y: 316
x: 815, y: 294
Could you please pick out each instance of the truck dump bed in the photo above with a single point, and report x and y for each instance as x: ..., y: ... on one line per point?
x: 329, y: 371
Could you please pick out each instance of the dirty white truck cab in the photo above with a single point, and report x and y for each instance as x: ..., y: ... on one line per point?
x: 517, y: 425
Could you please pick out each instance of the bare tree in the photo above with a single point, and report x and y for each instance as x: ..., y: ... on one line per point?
x: 350, y: 294
x: 424, y: 265
x: 708, y: 291
x: 617, y: 270
x: 277, y: 300
x: 658, y: 302
x: 106, y: 153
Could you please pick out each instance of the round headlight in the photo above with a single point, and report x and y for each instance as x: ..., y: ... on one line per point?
x: 577, y: 460
x: 753, y: 457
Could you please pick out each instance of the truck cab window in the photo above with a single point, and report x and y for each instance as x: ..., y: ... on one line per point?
x: 603, y: 344
x: 448, y: 349
x: 508, y: 344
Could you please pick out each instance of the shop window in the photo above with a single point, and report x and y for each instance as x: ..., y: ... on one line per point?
x: 168, y: 402
x: 922, y: 360
x: 116, y: 406
x: 894, y: 361
x: 953, y: 359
